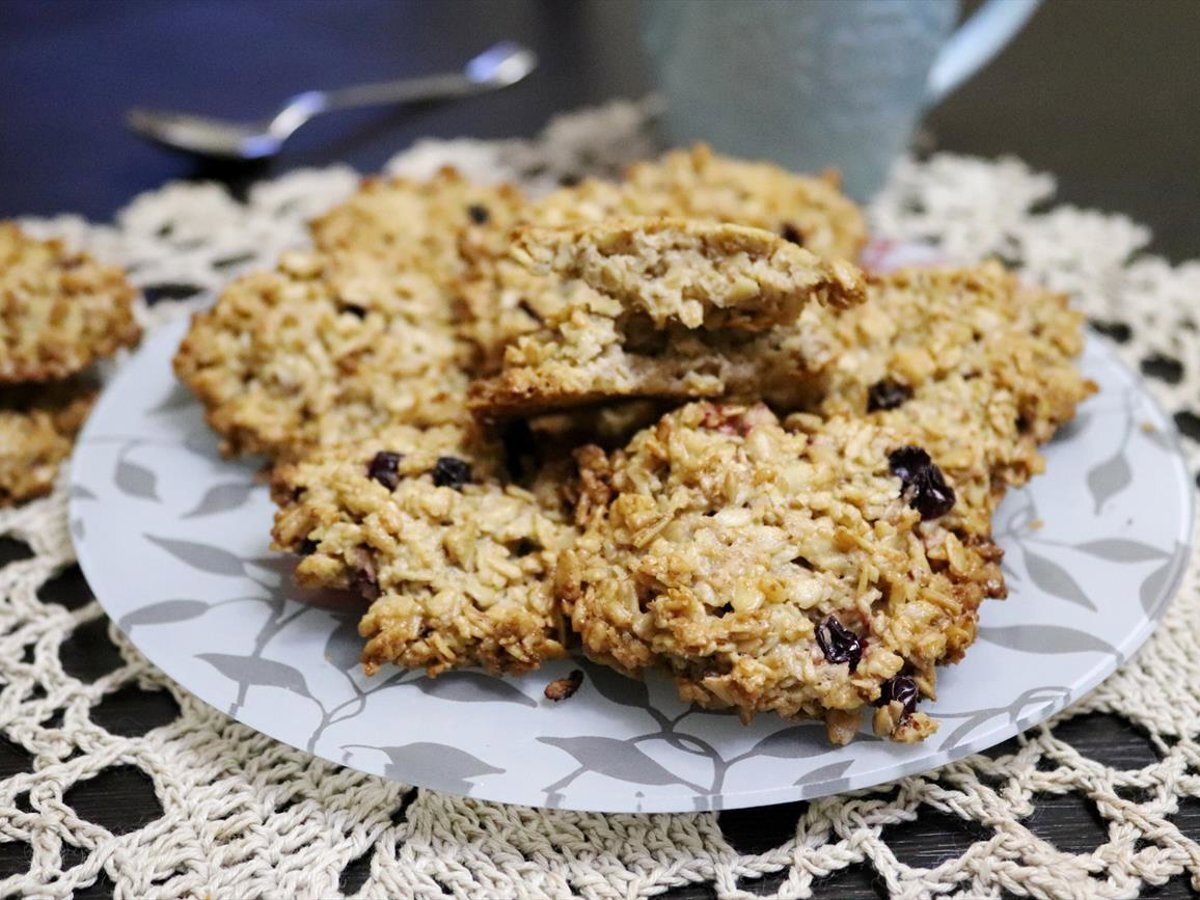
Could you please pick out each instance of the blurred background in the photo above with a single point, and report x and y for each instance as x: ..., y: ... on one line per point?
x: 1104, y: 94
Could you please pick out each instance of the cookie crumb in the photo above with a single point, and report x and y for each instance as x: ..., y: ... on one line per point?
x: 563, y: 688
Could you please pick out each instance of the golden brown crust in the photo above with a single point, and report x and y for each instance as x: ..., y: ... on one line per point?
x: 435, y: 226
x: 59, y: 310
x: 980, y: 369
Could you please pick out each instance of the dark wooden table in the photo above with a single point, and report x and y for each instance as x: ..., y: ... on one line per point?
x: 1105, y: 95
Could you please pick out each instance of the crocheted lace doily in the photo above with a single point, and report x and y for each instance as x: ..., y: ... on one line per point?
x: 242, y: 815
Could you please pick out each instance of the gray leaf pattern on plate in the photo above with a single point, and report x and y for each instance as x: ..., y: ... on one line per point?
x: 163, y: 613
x: 454, y: 766
x: 1121, y: 550
x: 222, y: 498
x: 1108, y: 479
x: 203, y: 557
x: 254, y: 671
x: 343, y: 647
x: 1046, y: 639
x: 617, y: 688
x: 203, y: 442
x: 797, y: 742
x: 1054, y: 579
x: 471, y: 687
x: 178, y: 397
x: 1158, y: 584
x: 828, y: 777
x: 136, y: 480
x: 1013, y: 712
x: 616, y: 759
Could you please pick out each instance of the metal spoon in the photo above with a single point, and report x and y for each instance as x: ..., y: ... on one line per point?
x: 499, y: 66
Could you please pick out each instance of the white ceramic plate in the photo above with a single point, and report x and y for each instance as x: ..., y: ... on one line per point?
x: 174, y: 541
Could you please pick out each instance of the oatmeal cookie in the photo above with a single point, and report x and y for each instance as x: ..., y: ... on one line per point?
x: 436, y: 226
x: 699, y: 184
x: 973, y: 365
x: 502, y: 301
x: 59, y: 310
x: 357, y: 334
x: 455, y: 561
x: 805, y: 572
x: 639, y: 312
x: 38, y: 424
x: 315, y: 354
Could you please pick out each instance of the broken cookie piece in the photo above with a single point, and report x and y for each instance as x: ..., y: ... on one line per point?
x: 656, y: 308
x: 697, y: 274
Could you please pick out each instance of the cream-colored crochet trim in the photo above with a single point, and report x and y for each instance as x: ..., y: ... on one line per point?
x: 244, y: 816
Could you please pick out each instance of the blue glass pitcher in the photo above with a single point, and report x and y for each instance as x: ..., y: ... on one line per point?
x: 814, y: 84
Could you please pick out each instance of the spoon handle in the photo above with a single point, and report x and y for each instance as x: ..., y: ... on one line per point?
x: 302, y: 107
x: 404, y: 90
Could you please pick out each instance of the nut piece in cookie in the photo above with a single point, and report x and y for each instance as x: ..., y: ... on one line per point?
x: 664, y: 308
x: 455, y: 562
x: 38, y: 424
x: 770, y: 569
x: 59, y: 310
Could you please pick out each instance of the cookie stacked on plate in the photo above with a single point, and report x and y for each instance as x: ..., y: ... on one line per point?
x: 664, y: 418
x: 60, y: 312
